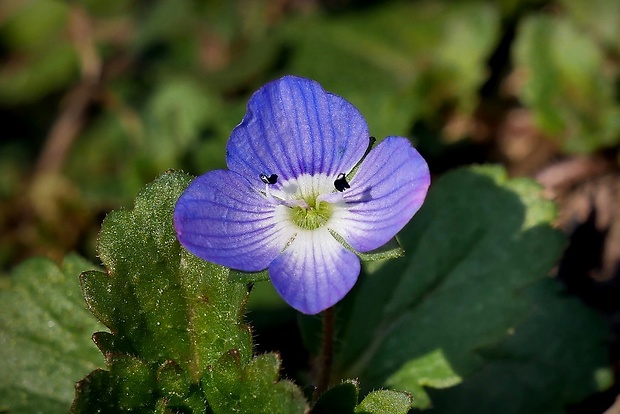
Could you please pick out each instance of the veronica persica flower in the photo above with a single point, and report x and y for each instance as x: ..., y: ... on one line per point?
x: 289, y: 189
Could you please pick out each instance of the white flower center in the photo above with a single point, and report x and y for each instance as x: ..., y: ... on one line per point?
x: 307, y: 201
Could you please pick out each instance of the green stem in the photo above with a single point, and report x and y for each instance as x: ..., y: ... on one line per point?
x: 327, y: 354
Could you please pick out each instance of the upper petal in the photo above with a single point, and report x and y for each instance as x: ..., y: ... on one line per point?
x: 388, y: 189
x: 294, y: 127
x: 314, y: 272
x: 222, y: 219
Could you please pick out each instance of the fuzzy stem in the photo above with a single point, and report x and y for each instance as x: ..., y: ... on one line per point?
x: 327, y: 351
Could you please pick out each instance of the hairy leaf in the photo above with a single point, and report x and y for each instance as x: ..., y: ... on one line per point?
x: 385, y: 402
x: 160, y: 301
x: 45, y: 331
x: 231, y: 387
x: 342, y: 399
x: 176, y: 322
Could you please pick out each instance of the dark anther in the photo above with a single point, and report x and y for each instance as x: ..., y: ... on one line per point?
x: 341, y: 183
x: 272, y: 179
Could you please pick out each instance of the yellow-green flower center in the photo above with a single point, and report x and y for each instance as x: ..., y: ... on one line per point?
x: 312, y: 217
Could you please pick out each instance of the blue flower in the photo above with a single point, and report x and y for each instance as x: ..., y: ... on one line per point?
x: 289, y: 188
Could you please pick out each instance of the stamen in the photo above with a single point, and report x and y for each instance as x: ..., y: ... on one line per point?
x: 331, y: 198
x: 270, y: 196
x: 341, y: 183
x: 295, y: 203
x: 272, y: 179
x: 371, y: 142
x: 284, y: 202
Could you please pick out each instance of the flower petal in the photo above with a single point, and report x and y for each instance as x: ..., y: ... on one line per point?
x: 222, y: 219
x: 314, y: 272
x: 294, y: 127
x: 386, y: 192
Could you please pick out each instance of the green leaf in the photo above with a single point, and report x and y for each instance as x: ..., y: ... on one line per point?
x: 161, y: 301
x: 341, y: 398
x: 134, y: 382
x: 45, y: 330
x: 176, y: 322
x: 385, y: 402
x: 567, y: 84
x: 131, y: 385
x: 173, y: 381
x: 431, y: 370
x: 231, y: 387
x: 248, y: 277
x: 555, y: 357
x: 419, y: 321
x: 95, y: 393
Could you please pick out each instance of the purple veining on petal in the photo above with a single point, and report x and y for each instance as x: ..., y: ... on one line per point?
x: 222, y: 219
x: 386, y: 192
x: 294, y: 127
x: 314, y: 272
x: 307, y: 137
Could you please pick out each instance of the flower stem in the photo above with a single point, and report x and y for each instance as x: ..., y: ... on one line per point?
x: 327, y: 352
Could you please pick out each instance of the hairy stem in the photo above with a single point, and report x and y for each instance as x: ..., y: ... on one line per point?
x: 327, y: 352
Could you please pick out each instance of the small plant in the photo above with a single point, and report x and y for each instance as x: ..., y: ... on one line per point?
x: 307, y: 198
